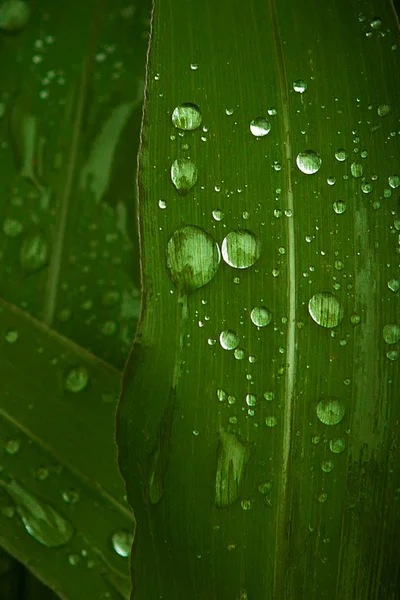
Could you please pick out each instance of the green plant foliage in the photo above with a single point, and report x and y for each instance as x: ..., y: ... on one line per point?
x: 62, y: 505
x: 259, y: 413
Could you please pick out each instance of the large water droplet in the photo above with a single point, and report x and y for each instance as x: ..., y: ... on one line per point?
x: 391, y: 333
x: 241, y: 249
x: 260, y: 126
x: 193, y: 258
x: 40, y: 519
x: 233, y: 456
x: 14, y: 15
x: 330, y: 410
x: 186, y: 116
x: 309, y: 162
x: 325, y: 309
x: 122, y: 542
x: 183, y: 175
x: 77, y: 379
x: 260, y: 316
x: 34, y: 253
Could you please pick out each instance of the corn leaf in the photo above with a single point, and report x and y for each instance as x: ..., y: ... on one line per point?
x: 259, y: 413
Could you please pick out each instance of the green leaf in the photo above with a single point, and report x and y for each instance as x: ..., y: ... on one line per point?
x: 62, y: 505
x: 258, y: 416
x: 71, y: 117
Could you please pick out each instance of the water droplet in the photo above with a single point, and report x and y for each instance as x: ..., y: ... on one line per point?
x: 194, y: 66
x: 394, y: 285
x: 233, y: 456
x: 229, y: 339
x: 183, y: 175
x: 261, y: 316
x: 271, y: 421
x: 229, y: 111
x: 122, y: 542
x: 341, y: 154
x: 325, y: 309
x: 383, y: 110
x: 337, y: 445
x: 193, y: 258
x: 221, y: 395
x: 14, y: 15
x: 355, y: 319
x: 41, y: 473
x: 309, y: 162
x: 77, y: 379
x: 70, y: 496
x: 12, y: 227
x: 12, y: 446
x: 269, y: 395
x: 245, y: 504
x: 327, y: 465
x: 376, y: 23
x: 330, y: 410
x: 217, y: 214
x: 394, y: 181
x: 162, y: 204
x: 260, y: 126
x: 300, y: 86
x: 339, y: 207
x: 391, y: 333
x: 74, y: 559
x: 40, y: 519
x: 392, y: 355
x: 356, y: 169
x: 239, y: 353
x: 34, y: 253
x: 241, y: 249
x: 251, y: 400
x: 186, y: 116
x: 11, y: 336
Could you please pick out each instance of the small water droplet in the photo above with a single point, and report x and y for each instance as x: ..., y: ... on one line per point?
x: 325, y: 309
x: 183, y: 175
x: 300, y: 86
x: 241, y: 249
x: 341, y: 154
x: 339, y: 207
x: 239, y: 353
x: 193, y: 258
x: 12, y: 446
x: 394, y: 285
x: 34, y: 253
x: 356, y: 169
x: 77, y: 379
x: 337, y: 445
x: 229, y: 339
x: 391, y: 333
x: 261, y: 316
x: 309, y: 162
x: 394, y: 181
x: 162, y: 204
x: 251, y: 400
x: 122, y: 542
x: 12, y: 227
x: 11, y: 336
x: 383, y: 110
x: 217, y: 214
x: 41, y: 473
x: 260, y: 127
x: 41, y: 520
x: 186, y: 116
x: 70, y: 496
x: 194, y: 66
x: 269, y: 395
x: 330, y: 410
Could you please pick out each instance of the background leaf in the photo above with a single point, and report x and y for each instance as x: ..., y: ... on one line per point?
x: 257, y: 423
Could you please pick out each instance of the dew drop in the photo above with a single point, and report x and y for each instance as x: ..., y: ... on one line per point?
x: 339, y: 207
x: 12, y: 446
x: 300, y: 86
x: 77, y: 379
x: 122, y: 542
x: 40, y: 519
x: 260, y: 316
x: 193, y: 258
x: 12, y: 227
x: 325, y: 309
x: 241, y: 249
x: 70, y: 496
x: 309, y: 162
x: 391, y: 333
x: 341, y: 154
x: 217, y: 214
x: 337, y: 445
x: 34, y: 253
x: 229, y: 339
x: 14, y: 15
x: 183, y: 175
x: 251, y: 400
x: 383, y: 110
x: 330, y: 410
x: 11, y: 336
x: 260, y: 127
x: 356, y: 169
x: 394, y: 181
x: 186, y: 116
